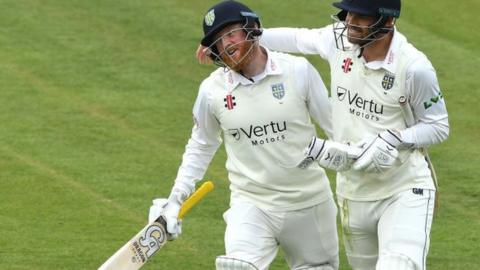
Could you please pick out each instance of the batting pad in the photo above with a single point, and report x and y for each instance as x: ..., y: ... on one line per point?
x: 395, y: 262
x: 228, y: 263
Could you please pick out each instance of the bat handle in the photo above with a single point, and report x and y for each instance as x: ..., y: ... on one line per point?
x: 406, y: 111
x: 195, y: 198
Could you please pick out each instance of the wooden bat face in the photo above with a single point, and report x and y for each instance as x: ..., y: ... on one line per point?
x: 136, y: 252
x: 152, y: 238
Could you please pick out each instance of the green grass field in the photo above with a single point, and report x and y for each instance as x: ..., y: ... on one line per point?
x: 95, y: 109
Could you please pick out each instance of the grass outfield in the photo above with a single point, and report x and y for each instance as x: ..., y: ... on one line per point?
x: 95, y: 109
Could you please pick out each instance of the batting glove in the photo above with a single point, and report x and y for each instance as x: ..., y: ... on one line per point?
x: 157, y: 209
x: 172, y: 209
x: 329, y: 154
x: 379, y: 154
x: 162, y: 207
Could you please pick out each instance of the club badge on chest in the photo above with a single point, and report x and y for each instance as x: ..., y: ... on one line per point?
x: 388, y: 81
x: 278, y: 91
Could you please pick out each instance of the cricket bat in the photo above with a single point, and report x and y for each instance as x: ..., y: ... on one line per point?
x: 136, y: 252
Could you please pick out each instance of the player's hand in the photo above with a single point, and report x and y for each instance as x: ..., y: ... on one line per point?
x: 329, y: 154
x: 380, y: 153
x: 172, y: 209
x: 157, y: 209
x: 203, y: 55
x: 174, y: 225
x: 169, y: 211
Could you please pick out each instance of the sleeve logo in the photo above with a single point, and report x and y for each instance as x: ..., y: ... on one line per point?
x: 436, y: 99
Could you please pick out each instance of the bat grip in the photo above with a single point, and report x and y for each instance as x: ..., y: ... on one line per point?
x: 195, y: 198
x: 406, y: 111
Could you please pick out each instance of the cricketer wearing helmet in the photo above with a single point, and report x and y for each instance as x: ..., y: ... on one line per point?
x: 262, y: 103
x: 385, y: 98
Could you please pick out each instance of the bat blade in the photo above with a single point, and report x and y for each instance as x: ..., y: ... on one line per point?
x: 136, y: 252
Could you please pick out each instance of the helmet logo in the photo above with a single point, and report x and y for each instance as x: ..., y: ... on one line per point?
x: 389, y: 12
x: 210, y: 17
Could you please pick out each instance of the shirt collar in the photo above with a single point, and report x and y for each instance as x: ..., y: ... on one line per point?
x: 391, y: 59
x: 233, y: 79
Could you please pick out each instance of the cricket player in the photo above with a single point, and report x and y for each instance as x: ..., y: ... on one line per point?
x: 262, y: 103
x: 386, y: 98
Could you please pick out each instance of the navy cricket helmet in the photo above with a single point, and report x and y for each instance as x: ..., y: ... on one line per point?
x: 382, y: 10
x: 374, y: 8
x: 226, y: 13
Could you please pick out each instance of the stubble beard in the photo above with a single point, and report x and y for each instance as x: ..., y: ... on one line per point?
x: 358, y: 39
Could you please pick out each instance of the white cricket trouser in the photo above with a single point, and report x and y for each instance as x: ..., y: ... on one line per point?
x: 399, y: 225
x: 308, y: 236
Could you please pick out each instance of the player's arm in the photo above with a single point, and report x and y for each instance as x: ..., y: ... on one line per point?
x: 300, y: 40
x: 199, y: 151
x: 428, y: 106
x: 316, y: 97
x: 202, y: 145
x: 294, y: 40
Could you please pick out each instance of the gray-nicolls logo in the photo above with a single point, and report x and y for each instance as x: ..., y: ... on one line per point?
x: 417, y: 191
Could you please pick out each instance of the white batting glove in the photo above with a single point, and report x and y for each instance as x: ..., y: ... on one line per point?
x: 174, y: 225
x: 172, y: 209
x: 157, y: 209
x: 380, y: 153
x: 162, y: 207
x: 329, y: 154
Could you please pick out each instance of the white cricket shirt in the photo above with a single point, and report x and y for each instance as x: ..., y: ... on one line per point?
x: 365, y: 103
x: 266, y: 127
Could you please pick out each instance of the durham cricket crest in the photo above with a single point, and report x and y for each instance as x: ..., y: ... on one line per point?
x: 278, y: 91
x: 210, y: 17
x: 388, y: 80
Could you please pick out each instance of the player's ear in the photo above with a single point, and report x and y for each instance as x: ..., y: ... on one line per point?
x: 390, y: 22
